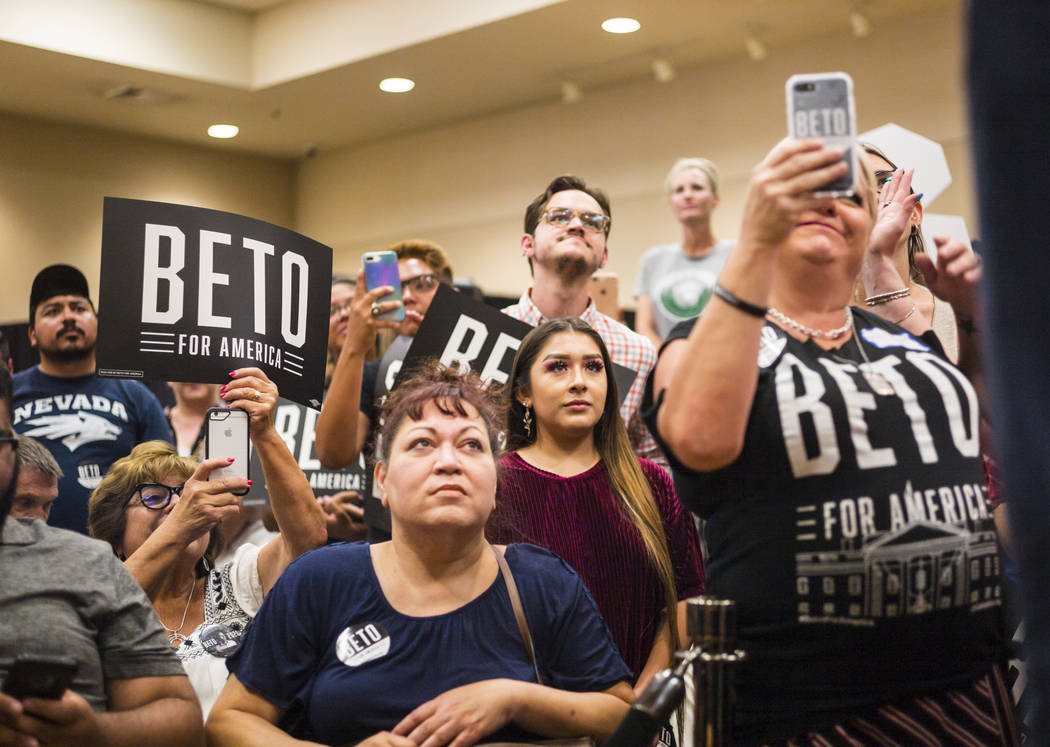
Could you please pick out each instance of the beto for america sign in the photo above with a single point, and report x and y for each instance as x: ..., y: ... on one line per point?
x: 189, y: 294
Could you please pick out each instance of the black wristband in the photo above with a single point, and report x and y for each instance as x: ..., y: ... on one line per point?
x: 739, y: 303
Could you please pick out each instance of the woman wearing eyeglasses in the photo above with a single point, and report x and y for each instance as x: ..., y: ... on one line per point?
x: 350, y: 410
x: 901, y: 212
x: 161, y: 514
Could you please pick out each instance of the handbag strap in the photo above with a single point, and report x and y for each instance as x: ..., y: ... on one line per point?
x: 519, y: 611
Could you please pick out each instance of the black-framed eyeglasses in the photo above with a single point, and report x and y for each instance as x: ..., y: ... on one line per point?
x: 11, y: 440
x: 420, y: 283
x: 154, y: 496
x: 562, y: 216
x: 337, y: 309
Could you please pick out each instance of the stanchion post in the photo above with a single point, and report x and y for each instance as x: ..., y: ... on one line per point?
x: 712, y: 628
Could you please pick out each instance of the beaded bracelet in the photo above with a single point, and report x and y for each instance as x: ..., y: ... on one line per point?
x: 887, y: 297
x: 739, y: 303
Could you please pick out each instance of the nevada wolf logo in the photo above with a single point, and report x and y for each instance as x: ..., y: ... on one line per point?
x: 73, y: 430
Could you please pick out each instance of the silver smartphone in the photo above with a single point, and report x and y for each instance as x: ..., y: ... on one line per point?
x: 227, y: 436
x: 820, y: 105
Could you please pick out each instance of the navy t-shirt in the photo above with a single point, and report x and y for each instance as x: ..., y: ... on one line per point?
x: 87, y: 423
x: 329, y: 650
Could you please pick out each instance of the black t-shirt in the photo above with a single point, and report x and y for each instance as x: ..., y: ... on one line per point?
x: 852, y: 531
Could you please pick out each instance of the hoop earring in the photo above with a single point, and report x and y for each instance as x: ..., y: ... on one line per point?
x: 526, y: 420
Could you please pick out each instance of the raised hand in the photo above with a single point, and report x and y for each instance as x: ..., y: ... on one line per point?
x: 252, y: 391
x: 896, y: 205
x: 203, y: 502
x: 782, y: 187
x: 955, y: 276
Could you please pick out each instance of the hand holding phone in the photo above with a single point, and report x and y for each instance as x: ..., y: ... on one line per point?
x: 226, y: 436
x: 381, y: 269
x: 45, y: 677
x: 820, y: 105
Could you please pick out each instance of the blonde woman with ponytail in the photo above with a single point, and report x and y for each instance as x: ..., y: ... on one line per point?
x: 571, y: 483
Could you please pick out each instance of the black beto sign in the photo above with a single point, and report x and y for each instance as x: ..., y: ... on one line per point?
x: 460, y: 329
x: 296, y: 425
x: 189, y: 294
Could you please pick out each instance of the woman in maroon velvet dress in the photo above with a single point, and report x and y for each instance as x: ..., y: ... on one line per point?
x: 573, y: 485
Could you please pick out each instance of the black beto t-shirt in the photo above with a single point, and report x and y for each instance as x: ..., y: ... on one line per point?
x: 852, y: 531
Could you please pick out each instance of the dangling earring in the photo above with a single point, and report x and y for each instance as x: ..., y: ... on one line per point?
x: 915, y: 230
x: 527, y: 419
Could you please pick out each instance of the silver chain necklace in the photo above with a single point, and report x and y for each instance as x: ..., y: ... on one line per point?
x: 878, y: 383
x: 830, y: 334
x: 174, y: 636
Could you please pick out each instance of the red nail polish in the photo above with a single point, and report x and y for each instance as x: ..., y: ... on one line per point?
x: 233, y: 373
x: 222, y: 390
x: 229, y: 459
x: 249, y: 482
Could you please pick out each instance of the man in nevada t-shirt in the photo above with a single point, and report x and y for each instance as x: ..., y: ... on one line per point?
x: 85, y: 421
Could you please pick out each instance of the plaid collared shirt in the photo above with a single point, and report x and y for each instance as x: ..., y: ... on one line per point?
x: 626, y: 347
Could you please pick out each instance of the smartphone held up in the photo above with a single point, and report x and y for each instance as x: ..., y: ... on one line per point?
x: 820, y: 105
x: 227, y: 436
x: 381, y: 269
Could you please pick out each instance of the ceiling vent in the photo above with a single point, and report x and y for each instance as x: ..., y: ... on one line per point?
x: 138, y: 94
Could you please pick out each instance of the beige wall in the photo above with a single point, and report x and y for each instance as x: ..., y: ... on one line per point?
x: 466, y: 186
x: 53, y: 178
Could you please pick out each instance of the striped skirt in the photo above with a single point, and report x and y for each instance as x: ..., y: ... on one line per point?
x: 979, y: 715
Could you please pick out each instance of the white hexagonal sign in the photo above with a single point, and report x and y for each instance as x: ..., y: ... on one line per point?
x: 910, y: 150
x: 952, y: 226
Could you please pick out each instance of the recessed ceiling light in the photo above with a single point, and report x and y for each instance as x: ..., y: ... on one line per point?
x: 396, y: 85
x: 620, y: 25
x: 223, y: 131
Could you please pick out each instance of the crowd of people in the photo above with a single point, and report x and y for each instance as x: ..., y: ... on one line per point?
x: 524, y: 574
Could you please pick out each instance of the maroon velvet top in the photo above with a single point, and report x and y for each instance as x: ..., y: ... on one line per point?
x: 579, y: 519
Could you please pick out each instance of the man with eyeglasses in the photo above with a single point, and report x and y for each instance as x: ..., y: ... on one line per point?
x: 349, y: 412
x: 566, y: 230
x: 85, y: 421
x: 65, y: 595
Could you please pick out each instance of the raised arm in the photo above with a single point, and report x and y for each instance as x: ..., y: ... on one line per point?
x: 954, y: 279
x: 201, y: 506
x: 299, y: 517
x: 878, y: 273
x: 341, y: 429
x: 711, y: 384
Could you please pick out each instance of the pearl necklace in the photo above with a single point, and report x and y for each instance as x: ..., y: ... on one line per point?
x: 830, y: 334
x: 174, y: 636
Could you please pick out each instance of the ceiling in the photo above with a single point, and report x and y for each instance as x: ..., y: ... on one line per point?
x: 315, y: 93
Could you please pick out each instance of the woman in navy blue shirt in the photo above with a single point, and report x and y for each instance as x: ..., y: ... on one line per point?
x: 414, y: 640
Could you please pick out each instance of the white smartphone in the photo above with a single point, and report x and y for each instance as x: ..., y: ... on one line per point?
x: 227, y: 436
x: 820, y: 105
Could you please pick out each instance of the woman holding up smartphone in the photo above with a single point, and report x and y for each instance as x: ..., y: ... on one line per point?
x: 161, y: 514
x: 836, y: 460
